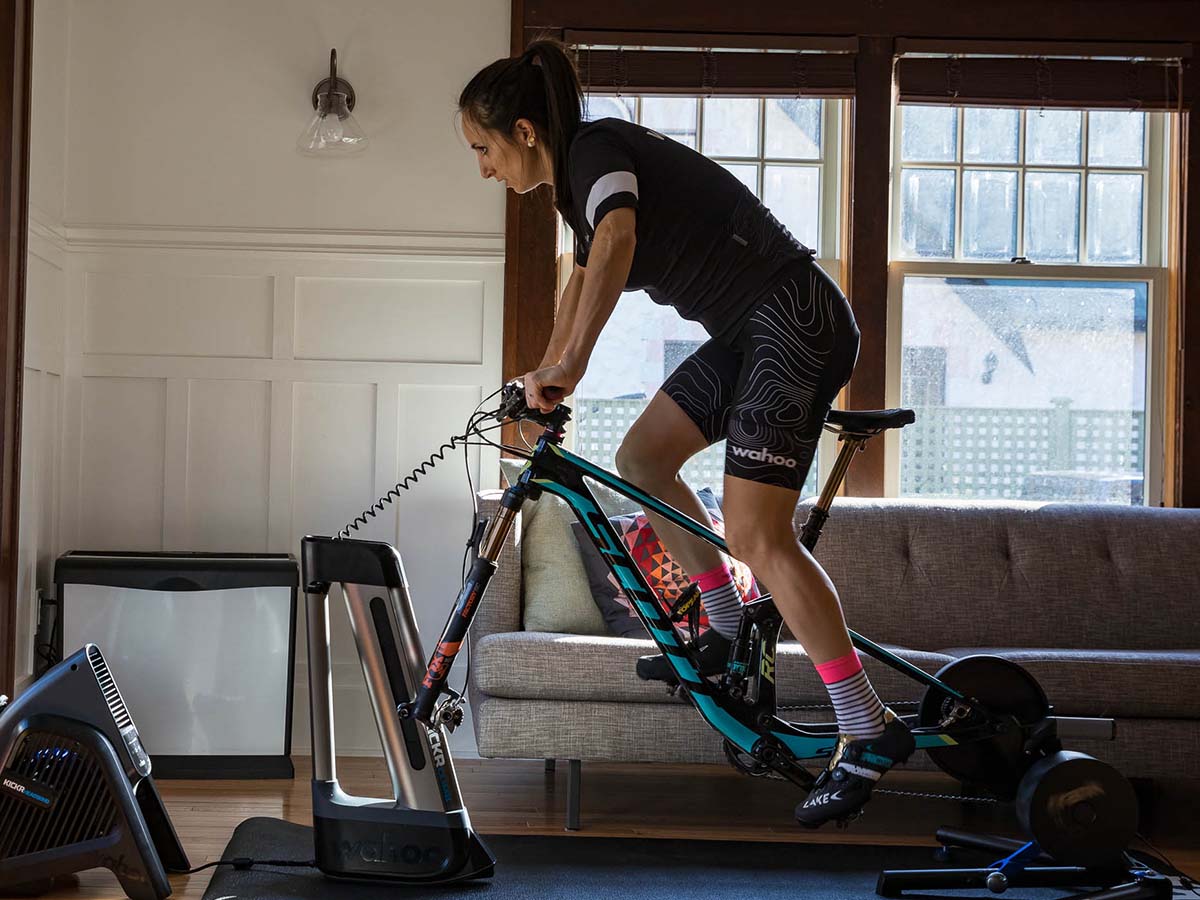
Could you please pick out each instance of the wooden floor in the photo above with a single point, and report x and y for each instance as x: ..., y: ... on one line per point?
x: 519, y: 797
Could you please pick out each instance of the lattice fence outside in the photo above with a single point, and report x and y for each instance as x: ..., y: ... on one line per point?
x: 1054, y: 453
x: 1051, y: 453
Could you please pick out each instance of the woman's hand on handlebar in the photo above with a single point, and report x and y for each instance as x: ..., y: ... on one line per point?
x: 544, y: 388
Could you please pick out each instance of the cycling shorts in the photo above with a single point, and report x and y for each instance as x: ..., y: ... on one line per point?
x: 767, y: 389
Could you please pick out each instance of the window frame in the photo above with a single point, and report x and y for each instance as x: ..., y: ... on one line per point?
x: 1154, y: 142
x: 1153, y: 271
x: 1156, y: 346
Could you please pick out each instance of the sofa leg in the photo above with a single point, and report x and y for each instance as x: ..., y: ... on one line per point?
x: 1147, y: 797
x: 573, y: 783
x: 550, y: 766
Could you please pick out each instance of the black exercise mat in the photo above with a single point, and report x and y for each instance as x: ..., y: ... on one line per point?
x: 587, y: 868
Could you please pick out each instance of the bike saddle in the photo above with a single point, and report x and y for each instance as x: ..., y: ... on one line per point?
x: 869, y: 421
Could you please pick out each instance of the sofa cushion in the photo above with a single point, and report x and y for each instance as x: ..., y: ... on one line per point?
x: 539, y: 666
x: 1135, y: 684
x: 664, y: 575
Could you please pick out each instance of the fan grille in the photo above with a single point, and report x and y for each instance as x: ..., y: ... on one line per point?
x: 83, y: 810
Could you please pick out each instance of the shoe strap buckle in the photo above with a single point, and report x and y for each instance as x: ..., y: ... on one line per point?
x: 687, y: 605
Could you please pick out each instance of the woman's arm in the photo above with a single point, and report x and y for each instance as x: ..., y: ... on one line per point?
x: 564, y: 316
x: 609, y: 261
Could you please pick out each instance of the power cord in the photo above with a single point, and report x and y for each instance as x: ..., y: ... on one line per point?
x: 1186, y: 882
x: 244, y: 863
x: 424, y: 468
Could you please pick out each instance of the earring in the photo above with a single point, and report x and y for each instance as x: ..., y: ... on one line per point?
x: 531, y: 142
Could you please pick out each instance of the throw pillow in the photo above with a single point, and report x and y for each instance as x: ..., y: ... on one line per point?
x: 663, y: 574
x: 557, y: 597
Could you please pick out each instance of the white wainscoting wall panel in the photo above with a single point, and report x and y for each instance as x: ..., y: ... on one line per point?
x: 41, y: 431
x: 228, y: 444
x: 165, y: 314
x: 389, y: 320
x: 225, y: 400
x: 122, y: 458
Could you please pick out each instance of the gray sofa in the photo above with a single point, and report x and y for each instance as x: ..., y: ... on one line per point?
x: 1099, y: 603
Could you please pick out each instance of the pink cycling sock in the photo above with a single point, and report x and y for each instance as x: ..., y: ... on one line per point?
x: 859, y: 711
x: 840, y: 669
x: 721, y: 576
x: 722, y: 601
x: 714, y: 578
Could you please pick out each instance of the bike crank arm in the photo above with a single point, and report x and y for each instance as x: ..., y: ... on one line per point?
x: 780, y: 761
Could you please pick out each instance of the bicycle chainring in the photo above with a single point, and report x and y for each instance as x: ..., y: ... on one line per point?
x: 996, y: 763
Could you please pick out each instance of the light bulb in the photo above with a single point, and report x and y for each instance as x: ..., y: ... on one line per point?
x: 332, y: 130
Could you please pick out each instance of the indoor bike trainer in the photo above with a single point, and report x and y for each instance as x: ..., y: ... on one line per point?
x: 422, y: 834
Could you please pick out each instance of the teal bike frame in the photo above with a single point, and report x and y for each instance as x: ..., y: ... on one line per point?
x: 740, y: 704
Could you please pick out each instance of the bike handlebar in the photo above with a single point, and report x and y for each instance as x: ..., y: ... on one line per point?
x: 513, y: 406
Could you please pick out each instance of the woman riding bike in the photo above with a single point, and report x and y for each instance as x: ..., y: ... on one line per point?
x: 650, y: 214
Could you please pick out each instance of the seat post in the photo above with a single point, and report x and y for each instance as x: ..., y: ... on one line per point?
x: 817, y: 516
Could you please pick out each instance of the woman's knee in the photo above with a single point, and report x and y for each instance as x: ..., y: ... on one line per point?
x: 641, y: 463
x: 757, y: 547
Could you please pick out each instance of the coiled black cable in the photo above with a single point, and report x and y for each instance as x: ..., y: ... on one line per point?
x: 459, y: 440
x: 404, y: 484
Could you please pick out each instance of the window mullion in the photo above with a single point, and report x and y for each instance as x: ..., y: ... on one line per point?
x: 1019, y: 246
x: 761, y: 150
x: 958, y: 185
x: 1084, y: 257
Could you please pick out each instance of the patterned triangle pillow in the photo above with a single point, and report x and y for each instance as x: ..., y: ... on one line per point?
x: 663, y: 574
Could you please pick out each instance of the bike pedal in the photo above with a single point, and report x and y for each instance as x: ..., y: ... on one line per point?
x: 846, y: 821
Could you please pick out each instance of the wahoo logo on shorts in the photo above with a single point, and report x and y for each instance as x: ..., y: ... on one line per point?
x: 763, y: 456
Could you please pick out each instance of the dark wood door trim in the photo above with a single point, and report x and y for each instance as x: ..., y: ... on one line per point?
x: 1188, y: 436
x: 15, y: 35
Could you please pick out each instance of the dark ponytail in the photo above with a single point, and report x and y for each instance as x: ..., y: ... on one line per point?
x: 539, y: 85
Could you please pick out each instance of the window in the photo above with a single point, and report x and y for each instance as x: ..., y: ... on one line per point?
x: 1026, y: 283
x: 786, y: 151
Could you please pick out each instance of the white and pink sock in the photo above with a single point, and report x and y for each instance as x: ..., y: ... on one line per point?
x: 859, y: 711
x: 721, y: 599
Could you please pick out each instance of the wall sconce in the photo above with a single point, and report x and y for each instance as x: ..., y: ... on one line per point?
x: 332, y: 130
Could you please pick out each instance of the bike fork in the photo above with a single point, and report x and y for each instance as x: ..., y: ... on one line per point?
x: 433, y: 684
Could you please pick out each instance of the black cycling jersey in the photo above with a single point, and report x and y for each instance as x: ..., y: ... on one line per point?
x: 705, y: 244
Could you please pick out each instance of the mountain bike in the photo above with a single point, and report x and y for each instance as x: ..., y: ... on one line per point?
x: 982, y: 719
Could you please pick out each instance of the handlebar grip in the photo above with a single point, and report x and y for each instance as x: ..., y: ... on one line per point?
x: 553, y: 393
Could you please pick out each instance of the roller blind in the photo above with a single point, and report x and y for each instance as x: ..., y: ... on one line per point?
x: 818, y: 68
x: 1041, y: 80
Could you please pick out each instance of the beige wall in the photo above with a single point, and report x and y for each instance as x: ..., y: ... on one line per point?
x: 186, y: 113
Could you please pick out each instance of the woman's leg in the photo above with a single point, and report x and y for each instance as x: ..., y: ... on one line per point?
x: 759, y: 532
x: 689, y: 413
x: 653, y: 451
x: 800, y: 348
x: 758, y: 521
